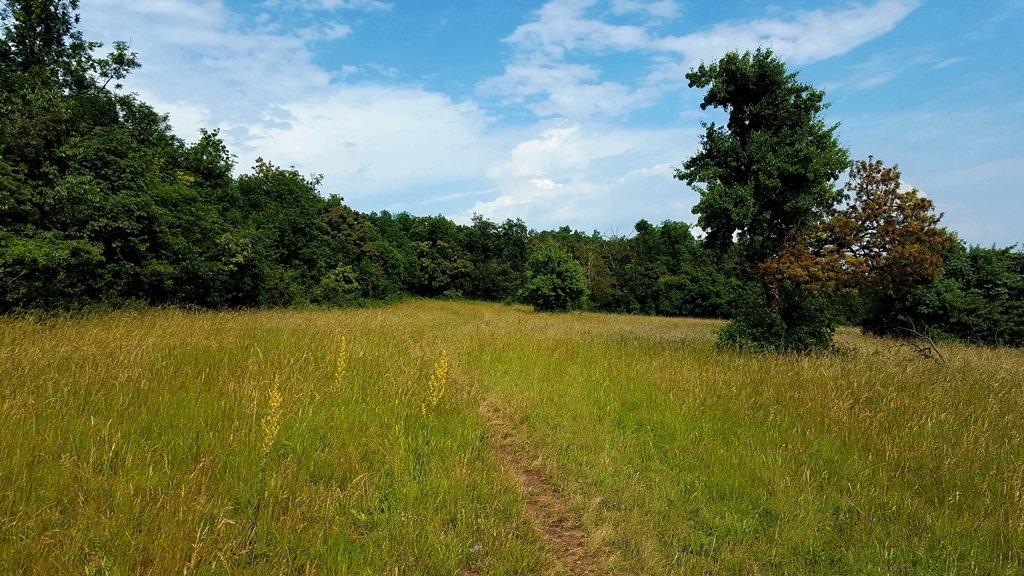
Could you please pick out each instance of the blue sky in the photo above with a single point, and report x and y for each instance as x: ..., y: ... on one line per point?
x: 574, y: 112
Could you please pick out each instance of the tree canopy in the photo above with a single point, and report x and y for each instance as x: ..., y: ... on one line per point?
x: 555, y: 282
x: 885, y: 240
x: 770, y: 169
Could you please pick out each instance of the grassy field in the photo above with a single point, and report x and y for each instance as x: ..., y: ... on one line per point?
x: 142, y: 443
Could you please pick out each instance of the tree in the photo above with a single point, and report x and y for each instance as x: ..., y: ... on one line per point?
x: 767, y: 173
x: 498, y: 255
x: 445, y: 266
x: 555, y: 281
x: 81, y: 165
x: 885, y: 240
x: 282, y: 248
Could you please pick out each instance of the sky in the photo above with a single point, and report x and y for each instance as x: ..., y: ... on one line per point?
x: 575, y: 112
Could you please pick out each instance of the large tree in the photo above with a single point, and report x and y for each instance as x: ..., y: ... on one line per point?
x: 769, y: 171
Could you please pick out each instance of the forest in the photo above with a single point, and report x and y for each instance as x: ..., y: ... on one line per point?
x: 102, y: 206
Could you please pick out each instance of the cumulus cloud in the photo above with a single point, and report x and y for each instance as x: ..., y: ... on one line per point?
x: 375, y: 139
x: 194, y: 55
x: 587, y: 175
x: 562, y: 27
x: 570, y: 90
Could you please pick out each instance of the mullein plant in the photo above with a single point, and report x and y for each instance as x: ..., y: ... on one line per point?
x: 271, y: 422
x: 342, y: 363
x: 437, y: 384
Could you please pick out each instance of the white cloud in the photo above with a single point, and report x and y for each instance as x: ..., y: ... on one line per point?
x: 376, y: 140
x: 561, y: 27
x: 806, y: 37
x: 331, y: 31
x: 543, y: 76
x: 186, y: 118
x: 347, y: 70
x: 587, y: 175
x: 192, y: 53
x: 660, y: 9
x: 539, y: 78
x: 567, y: 90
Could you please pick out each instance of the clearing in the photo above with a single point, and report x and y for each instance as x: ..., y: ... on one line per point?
x: 130, y: 443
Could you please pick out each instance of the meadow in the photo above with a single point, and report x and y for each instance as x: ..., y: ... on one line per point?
x: 167, y: 441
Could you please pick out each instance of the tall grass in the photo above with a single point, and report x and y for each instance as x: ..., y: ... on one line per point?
x: 135, y: 443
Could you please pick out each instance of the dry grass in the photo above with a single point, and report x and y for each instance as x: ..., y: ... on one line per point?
x: 131, y: 443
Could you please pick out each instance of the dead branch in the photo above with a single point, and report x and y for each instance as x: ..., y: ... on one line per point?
x: 922, y: 344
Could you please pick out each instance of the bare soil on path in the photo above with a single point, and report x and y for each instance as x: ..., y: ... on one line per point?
x: 558, y: 525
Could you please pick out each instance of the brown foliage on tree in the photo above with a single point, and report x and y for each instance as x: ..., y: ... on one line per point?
x: 885, y: 238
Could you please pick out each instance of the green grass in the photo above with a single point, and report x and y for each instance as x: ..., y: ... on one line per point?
x: 130, y: 444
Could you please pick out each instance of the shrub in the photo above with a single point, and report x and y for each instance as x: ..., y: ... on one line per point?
x: 554, y: 280
x: 339, y: 287
x: 805, y: 323
x: 978, y: 298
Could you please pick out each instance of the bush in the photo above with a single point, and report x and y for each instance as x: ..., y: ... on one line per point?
x: 805, y: 323
x: 47, y: 272
x: 978, y: 298
x: 698, y: 292
x: 554, y: 280
x: 338, y: 287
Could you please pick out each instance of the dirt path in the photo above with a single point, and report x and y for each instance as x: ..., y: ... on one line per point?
x: 560, y: 528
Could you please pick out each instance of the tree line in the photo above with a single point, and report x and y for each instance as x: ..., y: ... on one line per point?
x: 101, y: 205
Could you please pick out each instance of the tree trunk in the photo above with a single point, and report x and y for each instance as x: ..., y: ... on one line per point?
x: 771, y: 294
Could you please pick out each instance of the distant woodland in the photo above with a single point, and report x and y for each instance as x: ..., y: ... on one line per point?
x: 103, y: 206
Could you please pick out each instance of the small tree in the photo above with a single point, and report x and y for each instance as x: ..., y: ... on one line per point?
x: 339, y: 287
x: 555, y: 281
x: 882, y: 245
x: 885, y: 240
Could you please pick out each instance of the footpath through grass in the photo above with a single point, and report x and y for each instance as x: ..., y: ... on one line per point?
x: 133, y: 444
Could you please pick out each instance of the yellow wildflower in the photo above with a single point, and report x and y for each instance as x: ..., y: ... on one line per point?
x: 438, y: 383
x: 271, y: 422
x: 339, y: 370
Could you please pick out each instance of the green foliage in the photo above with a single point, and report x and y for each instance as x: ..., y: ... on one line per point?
x: 702, y: 291
x: 498, y: 255
x: 765, y: 175
x: 339, y: 287
x: 770, y: 169
x: 978, y: 298
x: 805, y: 323
x: 555, y: 281
x: 444, y: 262
x: 45, y: 272
x: 40, y: 37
